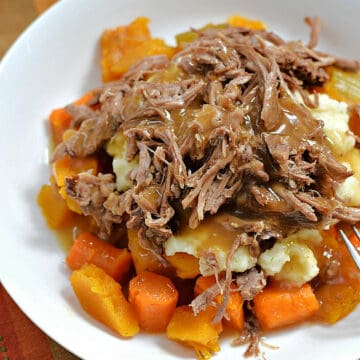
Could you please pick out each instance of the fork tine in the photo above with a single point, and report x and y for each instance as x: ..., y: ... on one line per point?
x: 353, y: 252
x: 356, y: 231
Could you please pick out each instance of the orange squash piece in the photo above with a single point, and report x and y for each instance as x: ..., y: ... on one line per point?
x: 340, y: 295
x: 144, y: 260
x: 59, y: 121
x: 101, y: 297
x: 186, y: 266
x: 343, y: 86
x: 53, y: 207
x: 68, y: 167
x: 241, y: 21
x: 126, y: 45
x: 195, y: 331
x: 154, y: 298
x: 337, y: 301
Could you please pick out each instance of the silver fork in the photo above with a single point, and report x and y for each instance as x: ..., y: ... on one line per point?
x: 352, y: 250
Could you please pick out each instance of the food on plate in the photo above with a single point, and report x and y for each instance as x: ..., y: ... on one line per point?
x: 102, y: 297
x: 209, y: 179
x: 154, y: 298
x: 276, y: 307
x: 198, y: 331
x: 126, y: 45
x: 87, y: 248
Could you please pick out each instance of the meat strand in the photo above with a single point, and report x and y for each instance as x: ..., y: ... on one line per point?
x: 225, y: 132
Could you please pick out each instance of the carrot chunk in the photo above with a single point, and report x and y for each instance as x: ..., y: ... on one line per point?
x: 87, y: 248
x: 102, y: 298
x: 276, y: 307
x: 60, y: 119
x: 234, y: 307
x: 154, y: 298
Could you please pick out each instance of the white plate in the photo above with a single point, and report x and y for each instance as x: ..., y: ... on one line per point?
x: 55, y: 61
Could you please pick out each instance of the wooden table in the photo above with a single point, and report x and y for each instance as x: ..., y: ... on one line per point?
x: 15, y: 16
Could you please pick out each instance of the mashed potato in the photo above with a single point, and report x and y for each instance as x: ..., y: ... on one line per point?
x: 336, y: 124
x: 117, y: 148
x: 209, y: 236
x: 342, y: 142
x: 291, y: 259
x: 348, y: 191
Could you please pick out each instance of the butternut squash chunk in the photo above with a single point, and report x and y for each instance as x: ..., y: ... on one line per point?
x: 101, y: 297
x: 195, y: 331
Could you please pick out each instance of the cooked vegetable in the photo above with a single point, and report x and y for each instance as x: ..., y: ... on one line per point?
x: 337, y: 301
x: 68, y: 167
x: 126, y: 45
x: 186, y: 266
x: 60, y: 119
x: 145, y: 259
x: 53, y: 207
x: 343, y: 86
x: 196, y: 331
x: 234, y: 307
x: 154, y: 299
x: 101, y: 297
x: 241, y: 21
x: 88, y: 248
x: 339, y: 290
x: 277, y: 307
x: 187, y: 37
x: 59, y: 122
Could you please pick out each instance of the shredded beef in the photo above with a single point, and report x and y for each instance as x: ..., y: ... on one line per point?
x: 227, y: 134
x: 347, y: 65
x: 89, y: 138
x: 315, y: 26
x: 171, y: 96
x: 250, y: 283
x: 221, y: 311
x: 216, y: 130
x: 91, y: 192
x: 206, y: 298
x: 347, y: 214
x: 145, y: 67
x: 79, y: 113
x: 251, y: 336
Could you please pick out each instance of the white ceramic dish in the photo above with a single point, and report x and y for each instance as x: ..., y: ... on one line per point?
x: 55, y: 61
